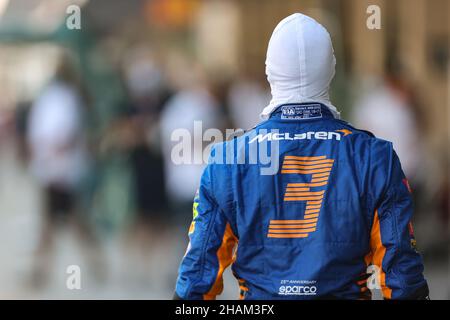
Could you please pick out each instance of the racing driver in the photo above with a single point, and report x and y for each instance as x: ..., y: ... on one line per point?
x: 333, y: 220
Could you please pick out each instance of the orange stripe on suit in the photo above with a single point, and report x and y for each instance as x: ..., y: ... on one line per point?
x: 271, y: 235
x: 308, y: 162
x: 296, y: 166
x: 305, y: 158
x: 287, y: 171
x: 225, y: 257
x: 377, y: 254
x: 292, y: 231
x: 292, y: 226
x: 272, y: 222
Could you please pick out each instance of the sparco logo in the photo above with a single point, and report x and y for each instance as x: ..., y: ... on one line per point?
x: 297, y: 290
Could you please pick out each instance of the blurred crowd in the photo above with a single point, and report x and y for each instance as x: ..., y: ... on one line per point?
x: 105, y: 174
x: 121, y: 182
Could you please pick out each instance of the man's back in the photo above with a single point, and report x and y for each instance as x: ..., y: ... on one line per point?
x: 337, y: 202
x: 308, y: 201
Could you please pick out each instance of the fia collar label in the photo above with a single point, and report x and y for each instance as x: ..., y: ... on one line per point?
x: 301, y: 112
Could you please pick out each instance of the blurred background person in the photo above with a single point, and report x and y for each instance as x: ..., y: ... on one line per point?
x: 59, y: 161
x: 194, y: 101
x: 148, y: 237
x: 389, y: 110
x: 246, y: 96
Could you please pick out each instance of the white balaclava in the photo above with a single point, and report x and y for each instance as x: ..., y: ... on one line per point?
x: 300, y: 63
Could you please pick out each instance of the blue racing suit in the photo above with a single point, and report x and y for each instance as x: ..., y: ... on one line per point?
x: 335, y: 203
